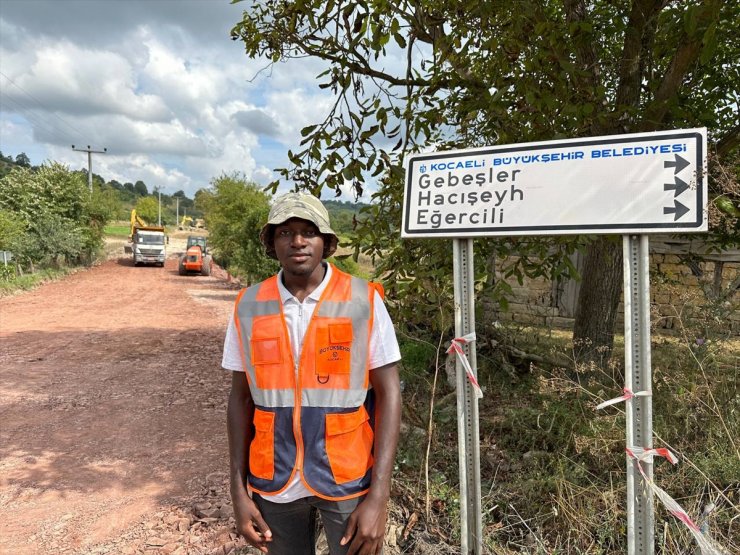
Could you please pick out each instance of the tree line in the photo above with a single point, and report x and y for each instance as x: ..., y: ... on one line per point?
x: 49, y: 217
x: 129, y: 193
x: 22, y: 160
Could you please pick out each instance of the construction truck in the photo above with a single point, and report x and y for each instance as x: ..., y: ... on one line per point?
x: 196, y: 258
x: 147, y: 242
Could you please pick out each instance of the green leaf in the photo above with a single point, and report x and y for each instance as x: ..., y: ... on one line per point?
x: 400, y: 40
x: 726, y: 206
x: 308, y: 130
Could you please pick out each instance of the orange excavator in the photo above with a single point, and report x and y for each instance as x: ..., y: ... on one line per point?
x: 196, y: 258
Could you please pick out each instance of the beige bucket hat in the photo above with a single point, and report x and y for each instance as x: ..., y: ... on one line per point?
x: 306, y: 207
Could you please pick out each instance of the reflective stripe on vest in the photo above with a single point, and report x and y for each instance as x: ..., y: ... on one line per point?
x: 331, y: 436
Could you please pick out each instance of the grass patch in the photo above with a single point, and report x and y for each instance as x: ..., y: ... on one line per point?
x: 30, y: 281
x: 553, y: 470
x: 117, y: 230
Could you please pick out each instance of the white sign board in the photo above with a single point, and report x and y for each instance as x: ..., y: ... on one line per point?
x: 636, y: 183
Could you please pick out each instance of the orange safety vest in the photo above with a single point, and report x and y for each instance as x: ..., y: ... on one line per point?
x: 315, y: 415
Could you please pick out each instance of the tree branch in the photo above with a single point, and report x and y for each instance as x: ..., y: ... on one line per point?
x: 361, y: 68
x: 575, y: 11
x: 683, y: 60
x: 729, y: 142
x: 430, y: 29
x: 630, y: 68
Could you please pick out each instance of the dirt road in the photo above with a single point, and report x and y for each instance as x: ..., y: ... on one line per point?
x: 112, y: 414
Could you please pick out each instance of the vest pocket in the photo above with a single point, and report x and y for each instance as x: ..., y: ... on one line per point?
x: 334, y: 348
x: 262, y: 449
x: 268, y: 353
x: 349, y: 444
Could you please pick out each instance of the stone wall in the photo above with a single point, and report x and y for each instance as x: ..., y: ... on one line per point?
x: 689, y: 285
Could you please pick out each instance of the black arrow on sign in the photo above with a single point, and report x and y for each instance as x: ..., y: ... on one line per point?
x: 678, y: 209
x: 679, y: 164
x: 678, y: 187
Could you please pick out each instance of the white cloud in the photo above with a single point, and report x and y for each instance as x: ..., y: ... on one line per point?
x: 295, y: 109
x: 235, y: 156
x: 184, y: 82
x: 78, y: 81
x: 263, y: 175
x: 174, y: 100
x: 257, y: 121
x: 16, y: 137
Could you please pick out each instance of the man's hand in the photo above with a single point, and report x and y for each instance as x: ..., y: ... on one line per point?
x: 249, y: 522
x: 366, y: 527
x: 240, y: 412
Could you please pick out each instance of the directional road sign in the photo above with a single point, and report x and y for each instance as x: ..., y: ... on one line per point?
x: 636, y: 183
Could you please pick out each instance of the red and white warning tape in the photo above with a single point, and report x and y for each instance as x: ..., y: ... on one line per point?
x: 456, y: 347
x: 642, y: 454
x: 707, y: 546
x: 628, y: 394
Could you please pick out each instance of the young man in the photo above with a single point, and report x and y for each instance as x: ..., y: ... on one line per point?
x: 314, y: 409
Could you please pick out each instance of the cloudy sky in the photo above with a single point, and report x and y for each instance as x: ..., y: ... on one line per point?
x: 159, y: 83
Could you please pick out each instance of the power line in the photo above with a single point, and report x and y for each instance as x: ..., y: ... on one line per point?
x: 37, y: 121
x: 37, y: 101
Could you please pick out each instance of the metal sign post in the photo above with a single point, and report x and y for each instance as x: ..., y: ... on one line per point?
x: 637, y: 376
x: 471, y: 520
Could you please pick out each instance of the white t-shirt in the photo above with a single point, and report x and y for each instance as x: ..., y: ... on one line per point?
x: 383, y: 349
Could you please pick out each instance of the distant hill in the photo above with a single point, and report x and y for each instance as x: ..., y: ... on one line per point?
x: 342, y: 213
x: 6, y: 165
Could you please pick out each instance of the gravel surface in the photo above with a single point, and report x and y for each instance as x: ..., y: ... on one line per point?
x: 112, y: 413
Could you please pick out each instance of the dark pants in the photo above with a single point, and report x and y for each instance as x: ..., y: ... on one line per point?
x: 293, y: 525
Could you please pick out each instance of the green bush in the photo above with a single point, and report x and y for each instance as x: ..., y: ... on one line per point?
x: 48, y: 216
x: 7, y: 273
x: 346, y: 264
x: 235, y: 210
x: 553, y: 467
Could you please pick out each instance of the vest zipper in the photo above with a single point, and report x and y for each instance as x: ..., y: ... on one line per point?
x: 299, y: 386
x: 297, y: 419
x: 297, y: 402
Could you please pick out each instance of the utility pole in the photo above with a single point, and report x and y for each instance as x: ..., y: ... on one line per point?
x: 90, y: 152
x: 177, y: 218
x: 159, y: 211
